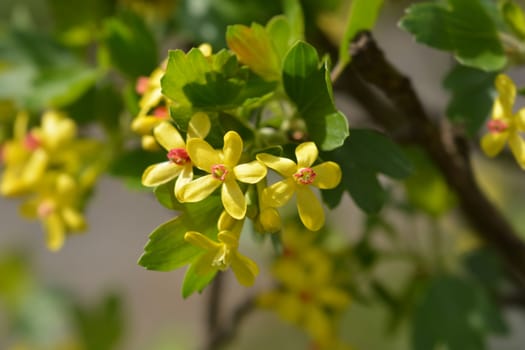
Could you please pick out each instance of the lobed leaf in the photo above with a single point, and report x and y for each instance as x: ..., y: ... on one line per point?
x: 460, y: 26
x: 307, y: 83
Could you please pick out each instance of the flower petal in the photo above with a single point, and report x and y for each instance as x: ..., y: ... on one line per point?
x: 306, y: 154
x: 35, y: 167
x: 199, y: 126
x: 232, y: 148
x: 143, y: 124
x: 233, y: 199
x: 73, y: 219
x: 520, y: 119
x: 279, y: 193
x: 317, y: 322
x: 199, y: 240
x: 199, y: 189
x: 310, y: 209
x: 506, y: 96
x: 245, y: 269
x: 204, y: 263
x: 284, y: 166
x: 168, y: 136
x: 333, y: 297
x: 251, y: 173
x: 55, y: 232
x: 493, y: 143
x: 160, y: 173
x: 328, y: 175
x: 517, y: 146
x: 202, y: 155
x: 185, y: 177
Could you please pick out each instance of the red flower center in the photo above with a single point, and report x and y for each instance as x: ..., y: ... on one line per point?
x: 496, y: 126
x: 142, y: 85
x: 161, y: 112
x: 179, y: 156
x: 305, y: 176
x: 46, y: 208
x: 305, y: 297
x: 219, y: 172
x: 31, y: 142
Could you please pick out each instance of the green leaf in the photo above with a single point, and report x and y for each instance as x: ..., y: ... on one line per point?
x: 254, y: 48
x: 101, y: 327
x: 216, y: 83
x: 294, y: 14
x: 131, y: 45
x: 194, y: 282
x: 454, y: 313
x: 307, y: 83
x: 425, y: 188
x: 165, y: 196
x: 130, y: 165
x: 365, y: 154
x: 167, y: 250
x: 460, y: 26
x: 471, y: 99
x: 514, y: 17
x: 363, y: 16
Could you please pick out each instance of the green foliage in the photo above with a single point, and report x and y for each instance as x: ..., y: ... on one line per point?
x: 514, y: 17
x: 460, y: 26
x: 130, y: 44
x: 307, y: 83
x: 455, y: 313
x: 426, y: 189
x: 363, y: 16
x: 167, y: 250
x: 101, y: 327
x: 211, y: 84
x: 130, y: 164
x: 471, y: 96
x: 364, y: 155
x: 40, y: 73
x: 195, y: 282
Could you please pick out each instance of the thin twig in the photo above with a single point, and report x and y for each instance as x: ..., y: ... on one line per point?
x: 448, y: 150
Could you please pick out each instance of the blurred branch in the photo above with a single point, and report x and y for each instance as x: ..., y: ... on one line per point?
x: 450, y: 152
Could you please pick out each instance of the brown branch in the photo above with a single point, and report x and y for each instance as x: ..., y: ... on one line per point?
x: 448, y: 150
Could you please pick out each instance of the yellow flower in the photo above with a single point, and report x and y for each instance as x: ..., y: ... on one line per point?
x: 153, y: 107
x: 504, y: 125
x: 298, y: 178
x: 268, y: 218
x: 308, y: 298
x: 179, y: 164
x: 224, y: 254
x: 223, y: 171
x: 56, y: 207
x: 27, y: 156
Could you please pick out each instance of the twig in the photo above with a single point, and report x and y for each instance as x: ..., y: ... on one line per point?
x: 448, y: 150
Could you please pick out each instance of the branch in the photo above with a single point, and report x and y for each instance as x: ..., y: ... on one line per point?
x: 221, y: 333
x: 449, y: 151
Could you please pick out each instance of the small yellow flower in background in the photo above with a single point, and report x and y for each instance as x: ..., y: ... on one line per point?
x: 27, y: 157
x: 223, y: 171
x: 297, y: 179
x: 308, y: 296
x: 180, y: 163
x: 56, y: 206
x: 224, y: 254
x: 504, y: 126
x: 153, y: 107
x: 268, y: 219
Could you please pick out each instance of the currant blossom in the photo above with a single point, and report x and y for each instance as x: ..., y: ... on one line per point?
x: 179, y: 162
x: 221, y: 255
x: 27, y: 156
x: 56, y: 206
x: 308, y: 297
x: 223, y: 171
x: 297, y: 179
x: 504, y: 126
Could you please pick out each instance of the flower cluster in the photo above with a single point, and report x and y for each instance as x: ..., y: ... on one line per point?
x: 200, y: 170
x: 52, y: 170
x: 505, y: 126
x: 308, y: 295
